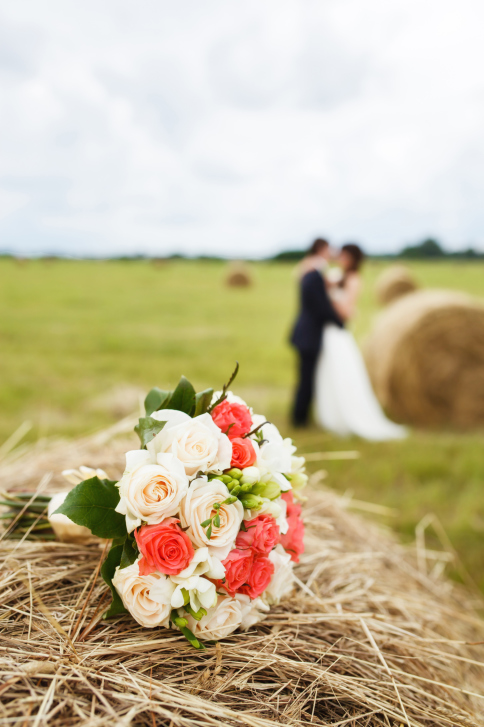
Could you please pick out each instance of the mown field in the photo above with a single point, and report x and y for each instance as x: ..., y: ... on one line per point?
x: 80, y: 341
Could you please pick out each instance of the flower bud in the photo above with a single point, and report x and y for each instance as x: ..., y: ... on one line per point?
x: 251, y: 502
x: 235, y: 490
x: 298, y: 480
x: 225, y: 479
x: 269, y: 490
x: 247, y: 488
x: 250, y: 476
x: 235, y: 473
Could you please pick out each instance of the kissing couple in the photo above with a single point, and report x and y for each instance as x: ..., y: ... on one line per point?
x: 331, y: 367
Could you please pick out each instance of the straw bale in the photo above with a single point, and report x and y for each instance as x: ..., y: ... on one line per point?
x: 238, y: 276
x: 373, y: 635
x: 394, y: 282
x: 425, y: 356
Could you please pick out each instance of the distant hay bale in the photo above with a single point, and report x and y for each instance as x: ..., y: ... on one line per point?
x: 394, y: 282
x: 238, y: 276
x: 371, y: 636
x: 425, y: 357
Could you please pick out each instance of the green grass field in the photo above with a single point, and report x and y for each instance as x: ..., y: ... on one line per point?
x: 79, y: 339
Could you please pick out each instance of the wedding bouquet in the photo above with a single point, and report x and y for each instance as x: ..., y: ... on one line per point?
x: 205, y: 523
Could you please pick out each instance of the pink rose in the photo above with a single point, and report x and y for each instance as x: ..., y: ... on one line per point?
x: 293, y: 540
x: 233, y: 419
x: 243, y: 453
x: 238, y: 565
x: 259, y: 577
x: 261, y: 536
x: 165, y: 548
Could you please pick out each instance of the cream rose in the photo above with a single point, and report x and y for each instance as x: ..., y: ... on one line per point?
x: 83, y: 473
x: 252, y: 611
x: 66, y: 531
x: 150, y: 491
x: 197, y: 506
x: 282, y: 581
x: 197, y: 442
x: 220, y: 621
x: 147, y: 598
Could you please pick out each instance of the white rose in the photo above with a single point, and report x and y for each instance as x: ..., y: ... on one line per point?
x: 252, y: 611
x: 66, y: 531
x: 150, y: 491
x: 147, y: 598
x: 202, y: 563
x: 220, y: 621
x: 282, y: 581
x: 273, y: 456
x: 197, y: 506
x: 202, y: 592
x: 276, y: 509
x: 198, y: 443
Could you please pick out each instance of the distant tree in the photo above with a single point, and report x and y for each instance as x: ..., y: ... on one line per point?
x: 429, y: 248
x: 289, y: 256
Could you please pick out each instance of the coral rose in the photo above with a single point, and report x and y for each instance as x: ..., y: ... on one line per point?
x: 243, y: 453
x: 165, y: 548
x: 238, y: 565
x: 261, y: 536
x: 259, y: 577
x: 293, y: 540
x: 232, y: 418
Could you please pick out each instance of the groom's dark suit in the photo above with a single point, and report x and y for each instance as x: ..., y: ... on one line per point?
x: 316, y: 310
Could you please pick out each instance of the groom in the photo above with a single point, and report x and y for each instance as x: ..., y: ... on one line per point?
x: 315, y: 312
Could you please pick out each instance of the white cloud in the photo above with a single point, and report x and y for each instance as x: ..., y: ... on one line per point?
x: 239, y: 127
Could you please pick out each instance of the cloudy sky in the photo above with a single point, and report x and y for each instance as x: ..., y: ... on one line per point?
x: 240, y: 127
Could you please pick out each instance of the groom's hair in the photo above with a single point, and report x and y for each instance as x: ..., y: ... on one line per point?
x: 318, y: 245
x: 356, y: 254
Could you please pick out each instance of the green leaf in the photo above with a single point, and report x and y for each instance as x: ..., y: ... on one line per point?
x: 156, y: 399
x: 130, y: 552
x: 209, y: 532
x: 206, y: 523
x: 147, y: 428
x: 92, y: 504
x: 108, y: 569
x: 183, y: 397
x: 216, y: 521
x: 202, y: 402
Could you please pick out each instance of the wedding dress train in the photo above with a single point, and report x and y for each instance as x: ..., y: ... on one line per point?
x: 345, y: 401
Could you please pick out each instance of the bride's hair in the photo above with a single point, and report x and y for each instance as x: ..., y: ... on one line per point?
x: 318, y: 245
x: 356, y: 254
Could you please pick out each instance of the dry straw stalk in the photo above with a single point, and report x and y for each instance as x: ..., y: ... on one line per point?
x: 371, y: 636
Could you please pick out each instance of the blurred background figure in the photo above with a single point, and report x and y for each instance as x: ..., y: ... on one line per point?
x: 316, y: 311
x: 345, y: 402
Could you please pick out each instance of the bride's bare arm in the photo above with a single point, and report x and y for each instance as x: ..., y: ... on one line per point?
x: 345, y: 303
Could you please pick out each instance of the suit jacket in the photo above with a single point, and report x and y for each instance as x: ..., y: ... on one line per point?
x: 315, y: 312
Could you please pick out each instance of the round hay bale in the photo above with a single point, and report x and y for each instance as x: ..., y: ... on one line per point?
x: 393, y: 283
x: 238, y: 276
x: 425, y: 357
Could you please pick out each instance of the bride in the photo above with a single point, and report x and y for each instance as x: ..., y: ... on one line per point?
x: 345, y: 401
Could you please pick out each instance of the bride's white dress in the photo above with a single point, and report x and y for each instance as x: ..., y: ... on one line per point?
x: 345, y: 401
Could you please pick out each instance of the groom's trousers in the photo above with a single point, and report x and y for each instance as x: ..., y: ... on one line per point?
x: 305, y: 387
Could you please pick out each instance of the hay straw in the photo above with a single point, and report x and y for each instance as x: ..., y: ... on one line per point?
x: 373, y: 635
x: 394, y: 282
x: 425, y: 356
